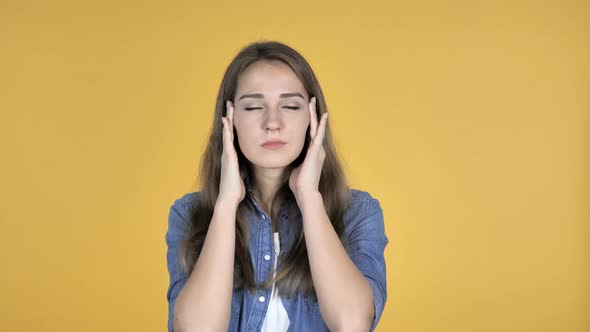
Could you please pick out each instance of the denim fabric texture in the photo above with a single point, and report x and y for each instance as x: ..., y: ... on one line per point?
x: 367, y: 240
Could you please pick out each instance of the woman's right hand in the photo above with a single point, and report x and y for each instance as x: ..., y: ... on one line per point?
x: 231, y: 187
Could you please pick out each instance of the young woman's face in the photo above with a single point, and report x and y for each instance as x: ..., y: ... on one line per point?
x: 270, y: 104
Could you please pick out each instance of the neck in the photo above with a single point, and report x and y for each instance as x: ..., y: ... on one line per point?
x: 266, y: 184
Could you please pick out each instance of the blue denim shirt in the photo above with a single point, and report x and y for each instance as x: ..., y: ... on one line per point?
x: 364, y: 227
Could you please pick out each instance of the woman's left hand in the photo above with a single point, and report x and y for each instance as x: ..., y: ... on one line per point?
x: 306, y: 177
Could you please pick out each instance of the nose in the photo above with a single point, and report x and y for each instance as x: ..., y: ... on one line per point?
x: 273, y: 120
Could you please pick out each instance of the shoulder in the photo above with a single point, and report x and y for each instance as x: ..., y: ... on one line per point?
x: 363, y: 213
x: 185, y: 202
x: 181, y: 208
x: 359, y: 196
x: 362, y: 201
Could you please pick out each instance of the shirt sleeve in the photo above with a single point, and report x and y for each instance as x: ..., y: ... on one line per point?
x: 367, y: 240
x: 177, y: 229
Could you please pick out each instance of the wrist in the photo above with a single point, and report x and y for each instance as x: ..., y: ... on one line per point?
x: 225, y: 204
x: 305, y: 197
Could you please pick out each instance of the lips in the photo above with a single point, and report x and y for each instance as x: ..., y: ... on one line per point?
x: 274, y: 144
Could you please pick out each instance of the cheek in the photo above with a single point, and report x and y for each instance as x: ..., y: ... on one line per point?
x: 306, y: 126
x: 302, y: 133
x: 241, y: 131
x: 238, y: 123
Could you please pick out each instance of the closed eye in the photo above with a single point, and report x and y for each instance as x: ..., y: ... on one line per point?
x: 256, y: 108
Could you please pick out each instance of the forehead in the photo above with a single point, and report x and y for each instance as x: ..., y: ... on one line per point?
x: 271, y: 77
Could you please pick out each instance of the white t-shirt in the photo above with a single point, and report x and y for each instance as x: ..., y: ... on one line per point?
x: 276, y: 319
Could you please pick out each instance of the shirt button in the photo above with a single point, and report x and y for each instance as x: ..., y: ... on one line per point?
x: 263, y: 217
x: 261, y: 299
x: 266, y: 257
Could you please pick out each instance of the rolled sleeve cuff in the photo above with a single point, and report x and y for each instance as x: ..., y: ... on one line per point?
x: 378, y: 300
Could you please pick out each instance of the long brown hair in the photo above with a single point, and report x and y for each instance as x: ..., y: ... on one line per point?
x: 293, y: 272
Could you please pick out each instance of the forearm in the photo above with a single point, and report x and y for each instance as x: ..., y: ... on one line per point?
x: 205, y: 300
x: 344, y: 294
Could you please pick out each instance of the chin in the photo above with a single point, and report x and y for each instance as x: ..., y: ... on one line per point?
x: 276, y: 161
x: 272, y: 163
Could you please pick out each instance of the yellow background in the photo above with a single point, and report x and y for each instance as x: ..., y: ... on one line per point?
x: 468, y: 121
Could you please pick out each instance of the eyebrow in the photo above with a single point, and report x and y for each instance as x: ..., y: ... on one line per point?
x: 283, y: 95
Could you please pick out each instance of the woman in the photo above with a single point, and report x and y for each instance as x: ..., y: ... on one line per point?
x: 275, y: 240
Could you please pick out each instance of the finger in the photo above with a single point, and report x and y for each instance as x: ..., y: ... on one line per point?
x: 231, y: 121
x: 321, y: 129
x: 224, y: 132
x: 313, y: 118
